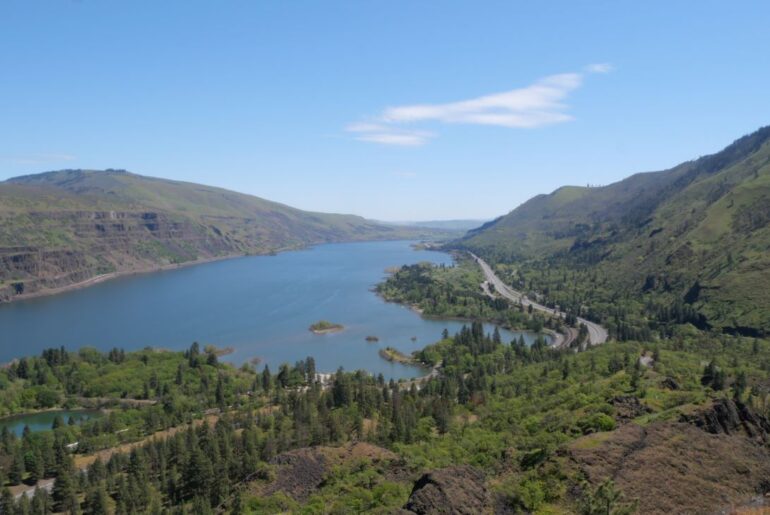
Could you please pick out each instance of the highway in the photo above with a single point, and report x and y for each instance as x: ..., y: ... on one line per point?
x: 596, y: 333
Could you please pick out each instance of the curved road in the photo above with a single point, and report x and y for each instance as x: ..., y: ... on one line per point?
x: 596, y: 333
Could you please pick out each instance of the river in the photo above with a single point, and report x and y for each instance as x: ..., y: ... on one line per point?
x: 261, y: 306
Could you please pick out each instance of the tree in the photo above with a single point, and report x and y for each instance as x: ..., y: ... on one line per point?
x: 605, y: 500
x: 236, y: 507
x: 266, y: 379
x: 23, y: 507
x: 64, y: 492
x: 283, y: 376
x: 197, y: 474
x: 7, y: 505
x: 16, y: 472
x: 33, y: 462
x: 41, y: 502
x: 739, y: 385
x: 179, y: 380
x: 96, y: 501
x: 58, y: 422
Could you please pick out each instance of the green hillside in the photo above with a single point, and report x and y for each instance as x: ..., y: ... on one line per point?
x: 65, y: 227
x: 694, y: 237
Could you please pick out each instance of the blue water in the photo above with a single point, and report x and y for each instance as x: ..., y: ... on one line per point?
x: 261, y: 306
x: 43, y: 421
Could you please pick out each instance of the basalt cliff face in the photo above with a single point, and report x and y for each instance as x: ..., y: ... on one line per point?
x: 65, y: 228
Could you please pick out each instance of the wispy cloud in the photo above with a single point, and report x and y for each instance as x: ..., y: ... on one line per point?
x: 599, y: 68
x: 404, y: 174
x: 37, y: 159
x: 539, y: 104
x: 388, y: 134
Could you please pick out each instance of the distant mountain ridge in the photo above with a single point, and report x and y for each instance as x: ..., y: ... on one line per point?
x: 698, y: 232
x: 65, y: 227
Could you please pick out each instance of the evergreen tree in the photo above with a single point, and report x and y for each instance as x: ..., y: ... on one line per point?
x: 64, y: 492
x: 739, y: 385
x: 23, y: 506
x: 16, y: 471
x: 266, y: 379
x: 7, y: 504
x: 96, y: 501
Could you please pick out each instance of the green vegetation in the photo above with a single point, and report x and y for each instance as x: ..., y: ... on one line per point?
x: 505, y: 408
x: 455, y: 292
x: 690, y: 243
x: 324, y: 326
x: 674, y: 264
x: 396, y: 356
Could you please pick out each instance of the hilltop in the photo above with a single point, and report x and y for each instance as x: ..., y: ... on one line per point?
x: 695, y: 237
x: 65, y: 227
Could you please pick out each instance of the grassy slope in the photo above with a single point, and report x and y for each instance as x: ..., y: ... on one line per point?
x: 76, y: 189
x: 704, y: 221
x: 71, y: 225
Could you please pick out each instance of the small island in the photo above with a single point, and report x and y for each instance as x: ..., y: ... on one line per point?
x: 396, y: 356
x: 326, y: 327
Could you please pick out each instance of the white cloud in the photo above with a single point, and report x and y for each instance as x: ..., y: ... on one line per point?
x: 38, y: 159
x: 599, y: 68
x: 404, y: 174
x: 389, y: 135
x: 532, y: 106
x: 539, y: 104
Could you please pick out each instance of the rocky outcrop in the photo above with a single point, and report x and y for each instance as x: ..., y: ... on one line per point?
x: 298, y: 473
x: 670, y: 383
x: 63, y: 229
x: 727, y: 416
x: 673, y: 467
x: 97, y: 242
x: 454, y: 490
x: 628, y: 407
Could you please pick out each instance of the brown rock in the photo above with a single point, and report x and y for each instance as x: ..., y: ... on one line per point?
x: 727, y: 416
x: 628, y: 407
x: 453, y: 490
x: 673, y: 467
x: 670, y: 384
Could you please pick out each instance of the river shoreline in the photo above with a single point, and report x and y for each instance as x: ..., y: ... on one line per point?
x: 98, y: 279
x: 257, y: 307
x: 554, y: 337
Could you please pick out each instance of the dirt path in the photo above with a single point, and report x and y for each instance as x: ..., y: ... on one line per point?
x: 596, y: 333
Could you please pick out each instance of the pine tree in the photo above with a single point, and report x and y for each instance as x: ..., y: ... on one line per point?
x: 266, y: 379
x: 64, y: 490
x: 16, y: 471
x: 96, y: 501
x: 7, y: 504
x: 23, y: 506
x: 739, y: 385
x: 41, y: 502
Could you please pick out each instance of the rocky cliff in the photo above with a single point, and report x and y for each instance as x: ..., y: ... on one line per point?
x: 65, y: 228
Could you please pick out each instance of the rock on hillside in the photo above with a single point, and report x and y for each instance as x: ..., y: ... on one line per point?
x: 301, y: 471
x: 453, y: 490
x: 729, y: 417
x: 715, y: 458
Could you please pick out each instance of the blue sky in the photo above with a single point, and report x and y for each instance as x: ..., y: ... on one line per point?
x: 391, y: 110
